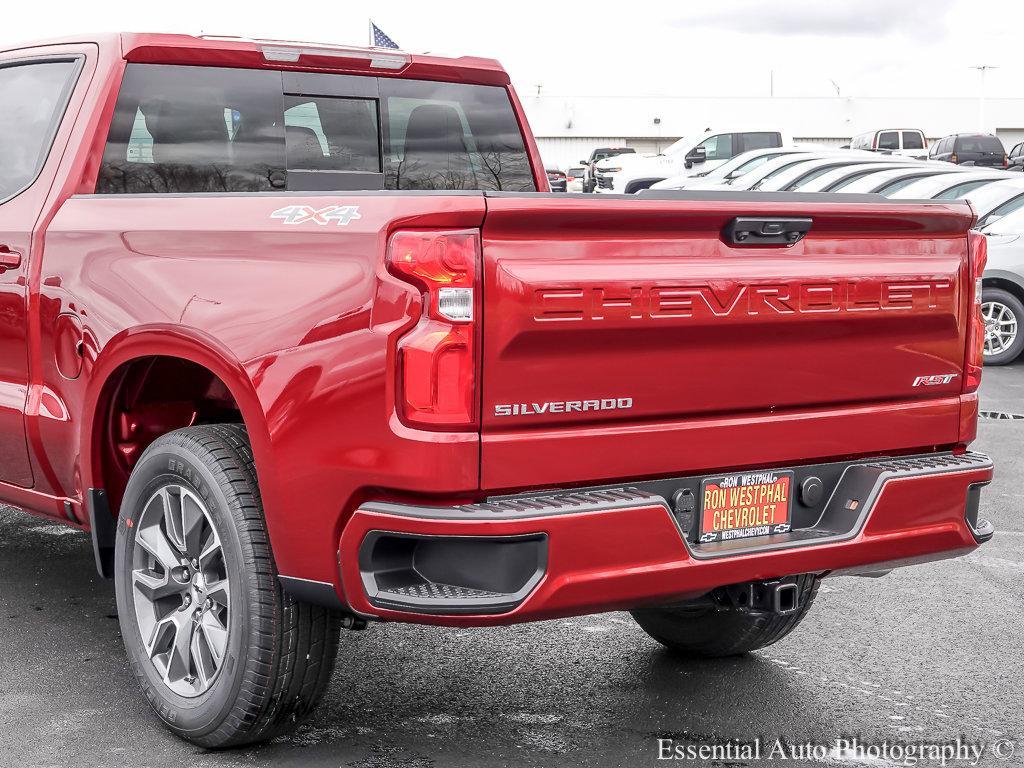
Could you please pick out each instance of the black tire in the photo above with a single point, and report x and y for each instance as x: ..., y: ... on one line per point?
x: 279, y: 653
x: 1016, y: 308
x: 712, y: 628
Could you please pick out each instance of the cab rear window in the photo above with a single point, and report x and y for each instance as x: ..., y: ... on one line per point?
x: 889, y: 140
x: 913, y: 140
x: 181, y: 129
x: 979, y: 144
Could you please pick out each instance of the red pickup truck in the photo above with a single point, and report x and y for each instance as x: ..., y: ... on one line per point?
x: 300, y: 335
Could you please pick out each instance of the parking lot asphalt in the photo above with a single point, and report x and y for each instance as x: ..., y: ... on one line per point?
x: 926, y: 654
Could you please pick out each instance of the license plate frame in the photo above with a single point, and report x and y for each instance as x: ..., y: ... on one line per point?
x: 754, y: 514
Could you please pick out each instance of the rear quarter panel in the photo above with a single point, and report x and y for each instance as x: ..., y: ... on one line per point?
x: 306, y: 310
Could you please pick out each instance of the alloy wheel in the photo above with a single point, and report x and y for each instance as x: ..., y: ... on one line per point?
x: 1000, y: 327
x: 181, y: 590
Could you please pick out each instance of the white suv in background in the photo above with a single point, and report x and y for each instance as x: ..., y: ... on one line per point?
x: 686, y: 157
x: 904, y: 142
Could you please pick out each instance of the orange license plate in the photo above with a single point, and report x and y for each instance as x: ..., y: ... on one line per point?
x: 746, y: 504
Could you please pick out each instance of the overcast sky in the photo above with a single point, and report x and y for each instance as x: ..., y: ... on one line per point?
x: 683, y: 48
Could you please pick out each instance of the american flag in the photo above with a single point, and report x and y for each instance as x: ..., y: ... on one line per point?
x: 380, y: 40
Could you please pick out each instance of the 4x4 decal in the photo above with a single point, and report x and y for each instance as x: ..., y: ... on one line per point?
x: 300, y: 214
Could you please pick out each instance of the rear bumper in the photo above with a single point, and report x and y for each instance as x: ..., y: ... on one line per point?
x: 527, y: 558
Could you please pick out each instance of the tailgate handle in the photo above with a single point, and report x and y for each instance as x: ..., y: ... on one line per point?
x: 783, y: 230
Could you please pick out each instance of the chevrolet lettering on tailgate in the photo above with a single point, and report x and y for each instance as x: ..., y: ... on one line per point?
x: 787, y: 298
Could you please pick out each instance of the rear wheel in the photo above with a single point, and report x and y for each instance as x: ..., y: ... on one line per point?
x: 713, y: 627
x: 224, y: 656
x: 1003, y: 314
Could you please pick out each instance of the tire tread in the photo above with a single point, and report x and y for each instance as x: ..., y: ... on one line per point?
x: 291, y: 646
x: 709, y: 629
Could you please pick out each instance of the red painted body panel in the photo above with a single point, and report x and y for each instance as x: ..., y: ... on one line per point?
x: 653, y: 305
x: 730, y: 356
x: 619, y: 559
x: 299, y: 320
x: 300, y: 324
x: 22, y: 222
x: 759, y: 439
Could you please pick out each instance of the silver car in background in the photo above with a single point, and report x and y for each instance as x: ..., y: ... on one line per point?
x: 1002, y: 302
x: 993, y: 201
x: 741, y: 164
x: 889, y: 181
x: 950, y: 187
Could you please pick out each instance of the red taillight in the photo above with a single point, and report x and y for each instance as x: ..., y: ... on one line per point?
x: 1006, y: 161
x: 437, y: 358
x: 978, y: 253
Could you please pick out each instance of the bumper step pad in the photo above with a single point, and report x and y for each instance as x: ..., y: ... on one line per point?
x: 451, y: 574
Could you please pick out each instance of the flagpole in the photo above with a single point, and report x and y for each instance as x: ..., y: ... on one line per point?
x: 370, y: 21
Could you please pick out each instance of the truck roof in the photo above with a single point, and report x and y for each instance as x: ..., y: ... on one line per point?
x: 159, y: 48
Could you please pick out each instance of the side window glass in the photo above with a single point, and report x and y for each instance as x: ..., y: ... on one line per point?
x: 452, y: 136
x: 751, y: 165
x: 1005, y: 209
x: 195, y: 129
x: 760, y: 141
x: 34, y: 98
x: 955, y: 193
x: 718, y: 147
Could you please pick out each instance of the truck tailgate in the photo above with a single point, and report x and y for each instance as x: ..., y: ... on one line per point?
x: 634, y: 325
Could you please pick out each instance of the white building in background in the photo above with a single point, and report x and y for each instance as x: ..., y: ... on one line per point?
x: 568, y: 128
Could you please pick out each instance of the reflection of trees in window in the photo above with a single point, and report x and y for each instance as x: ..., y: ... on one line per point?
x: 405, y: 173
x: 506, y: 168
x: 501, y: 167
x: 140, y: 178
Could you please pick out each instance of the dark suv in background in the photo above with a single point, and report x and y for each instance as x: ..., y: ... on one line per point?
x: 589, y: 182
x: 981, y: 149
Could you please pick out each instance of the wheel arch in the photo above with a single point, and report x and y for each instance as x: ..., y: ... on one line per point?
x: 198, y: 354
x: 1007, y: 281
x: 638, y: 185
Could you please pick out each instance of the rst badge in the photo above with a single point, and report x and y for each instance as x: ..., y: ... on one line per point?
x: 340, y: 215
x: 934, y: 380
